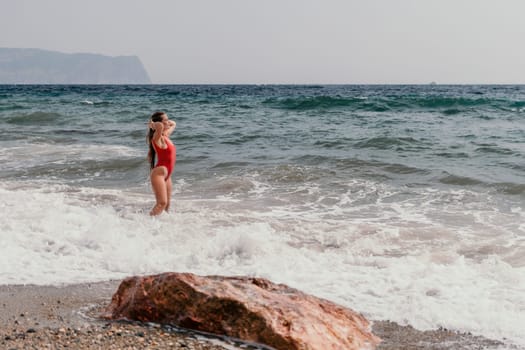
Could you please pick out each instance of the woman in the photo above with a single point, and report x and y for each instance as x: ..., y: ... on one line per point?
x: 160, y: 147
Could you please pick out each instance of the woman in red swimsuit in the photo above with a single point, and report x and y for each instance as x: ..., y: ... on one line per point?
x: 160, y: 147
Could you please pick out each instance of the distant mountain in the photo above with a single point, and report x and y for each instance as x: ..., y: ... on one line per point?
x: 35, y: 66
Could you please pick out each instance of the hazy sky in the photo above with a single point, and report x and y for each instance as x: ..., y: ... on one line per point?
x: 285, y: 41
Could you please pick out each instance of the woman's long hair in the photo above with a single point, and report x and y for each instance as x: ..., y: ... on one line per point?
x: 155, y: 117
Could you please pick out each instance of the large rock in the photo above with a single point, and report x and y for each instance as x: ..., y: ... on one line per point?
x: 252, y: 309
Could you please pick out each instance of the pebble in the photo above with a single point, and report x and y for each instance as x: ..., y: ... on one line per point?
x: 112, y: 336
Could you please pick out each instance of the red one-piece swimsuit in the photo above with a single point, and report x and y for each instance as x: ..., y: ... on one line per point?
x: 166, y: 156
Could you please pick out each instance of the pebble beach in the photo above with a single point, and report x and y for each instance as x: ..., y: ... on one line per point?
x: 68, y: 317
x: 45, y: 317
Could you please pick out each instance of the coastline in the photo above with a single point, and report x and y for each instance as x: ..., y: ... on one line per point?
x: 54, y: 317
x: 386, y: 185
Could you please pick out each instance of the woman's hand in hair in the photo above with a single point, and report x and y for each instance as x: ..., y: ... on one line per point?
x: 170, y: 128
x: 157, y: 126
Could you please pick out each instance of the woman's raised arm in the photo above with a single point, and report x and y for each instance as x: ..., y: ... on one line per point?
x: 171, y: 128
x: 159, y: 130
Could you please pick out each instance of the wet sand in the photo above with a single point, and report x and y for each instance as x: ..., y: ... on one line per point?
x: 49, y: 317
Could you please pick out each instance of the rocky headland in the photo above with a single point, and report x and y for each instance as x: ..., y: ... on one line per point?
x: 36, y: 66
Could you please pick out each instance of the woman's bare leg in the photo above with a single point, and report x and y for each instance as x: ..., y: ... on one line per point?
x: 158, y: 183
x: 169, y: 186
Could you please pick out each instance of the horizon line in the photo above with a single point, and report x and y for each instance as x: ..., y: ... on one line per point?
x: 276, y: 84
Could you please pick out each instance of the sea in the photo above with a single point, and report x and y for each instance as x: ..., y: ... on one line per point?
x: 402, y: 202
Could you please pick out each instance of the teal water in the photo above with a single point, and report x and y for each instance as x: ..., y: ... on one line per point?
x: 406, y: 203
x: 440, y: 135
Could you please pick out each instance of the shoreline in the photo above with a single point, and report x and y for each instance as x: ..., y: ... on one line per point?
x: 54, y: 317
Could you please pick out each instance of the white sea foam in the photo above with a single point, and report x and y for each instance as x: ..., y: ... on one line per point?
x: 23, y: 156
x: 391, y: 258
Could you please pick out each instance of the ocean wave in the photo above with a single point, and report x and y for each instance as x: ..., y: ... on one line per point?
x: 138, y: 134
x: 358, y: 166
x: 402, y: 169
x: 310, y: 159
x: 76, y: 132
x: 35, y: 118
x: 87, y: 170
x: 288, y: 173
x: 307, y: 102
x: 245, y: 106
x: 510, y: 188
x: 191, y: 137
x: 33, y: 154
x: 452, y: 111
x: 446, y: 105
x: 517, y: 104
x: 450, y: 179
x: 227, y: 165
x: 10, y: 107
x: 492, y: 148
x: 341, y: 143
x: 507, y: 188
x: 452, y: 155
x: 440, y: 102
x: 96, y: 103
x: 224, y: 187
x: 195, y: 159
x: 397, y: 143
x: 240, y: 139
